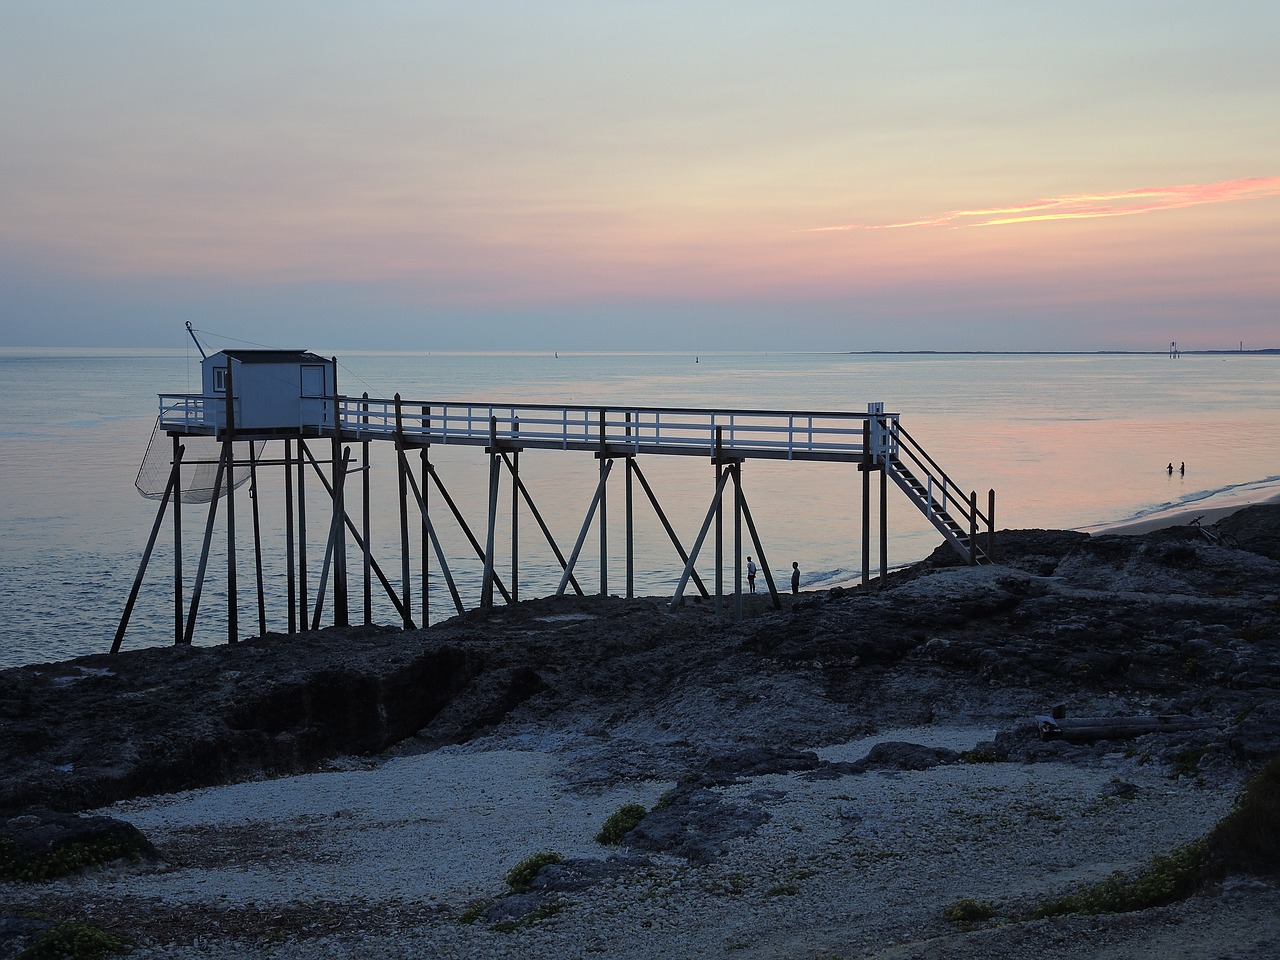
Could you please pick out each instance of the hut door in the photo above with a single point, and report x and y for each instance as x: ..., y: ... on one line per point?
x: 313, y: 380
x: 315, y: 407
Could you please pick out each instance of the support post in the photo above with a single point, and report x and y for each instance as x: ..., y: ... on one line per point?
x: 366, y: 520
x: 736, y: 470
x: 170, y: 489
x: 228, y: 442
x: 402, y: 467
x: 257, y: 542
x: 486, y: 588
x: 333, y: 542
x: 424, y: 544
x: 435, y: 542
x: 515, y: 527
x: 177, y: 540
x: 338, y: 532
x: 884, y: 523
x: 991, y: 525
x: 973, y: 528
x: 719, y: 507
x: 866, y: 502
x: 303, y: 604
x: 631, y: 552
x: 424, y: 547
x: 291, y: 586
x: 606, y: 466
x: 604, y: 513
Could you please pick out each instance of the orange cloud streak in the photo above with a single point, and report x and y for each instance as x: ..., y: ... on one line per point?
x: 1086, y: 206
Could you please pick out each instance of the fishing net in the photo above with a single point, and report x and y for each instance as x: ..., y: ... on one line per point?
x: 199, y: 466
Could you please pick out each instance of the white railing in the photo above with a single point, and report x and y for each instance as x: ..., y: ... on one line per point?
x: 776, y: 433
x: 191, y: 411
x: 780, y: 434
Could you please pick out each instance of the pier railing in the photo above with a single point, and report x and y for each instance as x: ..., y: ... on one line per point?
x: 776, y: 434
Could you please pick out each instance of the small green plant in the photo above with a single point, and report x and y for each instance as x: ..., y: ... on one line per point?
x: 782, y: 890
x: 533, y: 916
x: 968, y: 911
x: 475, y: 910
x: 17, y: 865
x: 1167, y: 878
x: 1247, y: 840
x: 734, y: 885
x: 75, y: 940
x: 619, y: 823
x: 521, y: 875
x: 981, y: 755
x: 1186, y: 763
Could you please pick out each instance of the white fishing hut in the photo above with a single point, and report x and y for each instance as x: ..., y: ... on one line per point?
x: 271, y: 391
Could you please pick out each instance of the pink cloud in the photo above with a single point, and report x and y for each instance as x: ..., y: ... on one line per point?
x: 1086, y: 206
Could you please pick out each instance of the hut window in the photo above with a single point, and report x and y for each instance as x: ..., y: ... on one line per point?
x: 220, y: 379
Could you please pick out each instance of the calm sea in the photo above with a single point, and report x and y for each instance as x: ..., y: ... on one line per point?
x: 1067, y: 441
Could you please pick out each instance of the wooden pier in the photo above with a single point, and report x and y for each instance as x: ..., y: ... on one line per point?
x: 323, y: 434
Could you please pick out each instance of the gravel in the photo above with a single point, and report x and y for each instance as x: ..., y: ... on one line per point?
x: 391, y: 859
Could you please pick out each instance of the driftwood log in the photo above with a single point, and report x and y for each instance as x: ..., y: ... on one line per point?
x: 1088, y: 729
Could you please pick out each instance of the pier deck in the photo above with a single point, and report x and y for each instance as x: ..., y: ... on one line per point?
x: 618, y: 431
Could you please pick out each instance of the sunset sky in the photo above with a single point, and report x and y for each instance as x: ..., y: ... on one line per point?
x: 732, y: 175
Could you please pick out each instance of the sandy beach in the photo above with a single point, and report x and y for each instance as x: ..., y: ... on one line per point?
x: 1208, y: 515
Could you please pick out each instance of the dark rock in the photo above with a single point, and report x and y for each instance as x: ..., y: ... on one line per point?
x: 695, y: 823
x: 581, y: 873
x: 1257, y: 736
x: 896, y: 755
x: 40, y: 843
x: 514, y: 907
x: 1120, y: 788
x: 102, y: 728
x: 756, y: 761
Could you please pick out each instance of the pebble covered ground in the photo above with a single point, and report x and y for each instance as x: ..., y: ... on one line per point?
x: 392, y: 859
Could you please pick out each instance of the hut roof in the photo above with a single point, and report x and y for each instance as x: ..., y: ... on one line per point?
x: 274, y: 356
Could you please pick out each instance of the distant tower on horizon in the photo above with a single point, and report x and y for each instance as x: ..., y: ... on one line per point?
x: 1174, y: 352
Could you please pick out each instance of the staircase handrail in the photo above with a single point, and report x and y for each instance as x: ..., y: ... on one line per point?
x: 932, y: 471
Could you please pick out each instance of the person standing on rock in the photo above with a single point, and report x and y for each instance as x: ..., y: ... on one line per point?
x: 795, y: 577
x: 751, y: 575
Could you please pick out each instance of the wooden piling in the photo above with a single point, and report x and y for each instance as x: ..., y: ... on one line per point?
x: 303, y: 602
x: 257, y: 541
x: 178, y: 451
x: 229, y: 446
x: 291, y: 586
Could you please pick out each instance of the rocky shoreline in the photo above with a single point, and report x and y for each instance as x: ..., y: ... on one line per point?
x: 914, y: 702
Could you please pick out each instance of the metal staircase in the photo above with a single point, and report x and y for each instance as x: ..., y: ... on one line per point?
x: 955, y: 515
